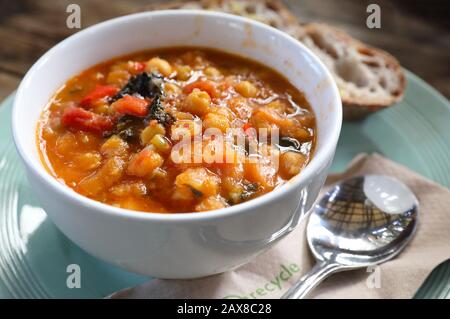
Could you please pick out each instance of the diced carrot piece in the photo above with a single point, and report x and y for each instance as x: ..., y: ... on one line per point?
x: 262, y: 174
x: 79, y: 118
x: 263, y: 169
x: 99, y: 92
x: 209, y: 87
x: 131, y: 105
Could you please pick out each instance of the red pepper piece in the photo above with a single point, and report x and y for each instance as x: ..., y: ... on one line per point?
x: 79, y: 118
x: 131, y: 105
x: 99, y: 92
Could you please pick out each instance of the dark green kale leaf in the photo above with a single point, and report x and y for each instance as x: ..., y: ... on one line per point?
x: 128, y: 127
x: 146, y: 85
x: 158, y: 113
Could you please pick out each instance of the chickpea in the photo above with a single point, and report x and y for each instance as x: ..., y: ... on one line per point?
x: 159, y: 173
x: 183, y: 129
x: 241, y: 107
x: 150, y: 131
x: 197, y: 102
x: 118, y: 77
x: 161, y: 143
x: 160, y: 65
x: 106, y: 176
x: 246, y: 89
x: 183, y: 115
x: 143, y: 163
x: 278, y: 106
x: 183, y: 72
x: 224, y: 111
x: 114, y: 146
x: 88, y: 161
x: 125, y: 189
x: 171, y: 89
x: 212, y: 72
x: 214, y: 120
x: 65, y: 144
x: 102, y: 108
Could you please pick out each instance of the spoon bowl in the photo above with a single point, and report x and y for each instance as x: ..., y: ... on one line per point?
x: 363, y: 221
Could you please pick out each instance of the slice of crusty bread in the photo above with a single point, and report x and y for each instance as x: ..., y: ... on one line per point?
x: 271, y: 12
x: 368, y: 79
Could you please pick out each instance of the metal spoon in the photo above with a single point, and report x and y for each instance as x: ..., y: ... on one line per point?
x: 360, y: 222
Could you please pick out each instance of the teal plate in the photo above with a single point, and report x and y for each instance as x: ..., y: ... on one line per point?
x: 34, y: 254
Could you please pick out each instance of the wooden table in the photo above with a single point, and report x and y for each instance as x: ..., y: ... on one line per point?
x: 417, y: 32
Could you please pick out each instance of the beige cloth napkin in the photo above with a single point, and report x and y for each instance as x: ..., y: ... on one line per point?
x: 270, y: 274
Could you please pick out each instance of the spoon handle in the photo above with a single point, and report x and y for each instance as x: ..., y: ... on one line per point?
x: 319, y: 272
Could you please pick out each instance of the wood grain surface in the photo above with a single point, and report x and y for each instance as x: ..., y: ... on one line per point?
x: 417, y: 32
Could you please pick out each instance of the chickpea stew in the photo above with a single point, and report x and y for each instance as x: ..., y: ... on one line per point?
x: 116, y: 132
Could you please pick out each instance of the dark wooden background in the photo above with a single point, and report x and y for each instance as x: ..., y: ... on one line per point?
x: 417, y: 32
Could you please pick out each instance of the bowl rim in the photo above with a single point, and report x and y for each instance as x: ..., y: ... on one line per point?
x: 319, y: 159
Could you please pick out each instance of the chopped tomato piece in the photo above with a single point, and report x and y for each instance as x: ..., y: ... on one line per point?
x: 79, y: 118
x: 131, y: 105
x: 99, y: 92
x: 139, y: 66
x: 209, y: 87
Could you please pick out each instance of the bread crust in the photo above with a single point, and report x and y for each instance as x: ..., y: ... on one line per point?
x: 231, y: 6
x: 356, y: 108
x: 275, y: 13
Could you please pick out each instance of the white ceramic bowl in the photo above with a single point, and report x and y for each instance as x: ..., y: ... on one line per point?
x: 178, y: 245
